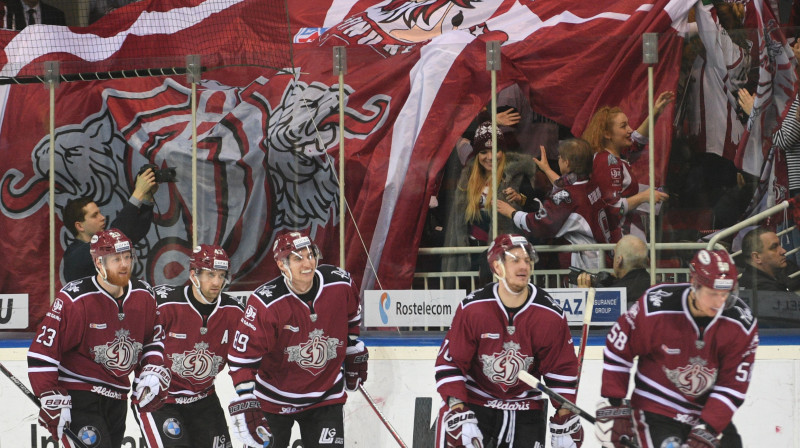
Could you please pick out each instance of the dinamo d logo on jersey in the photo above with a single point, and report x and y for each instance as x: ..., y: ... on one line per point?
x: 198, y: 364
x: 502, y: 368
x: 119, y: 355
x: 693, y: 379
x: 314, y: 354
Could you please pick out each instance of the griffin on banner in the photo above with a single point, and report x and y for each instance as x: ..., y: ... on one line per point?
x: 263, y: 138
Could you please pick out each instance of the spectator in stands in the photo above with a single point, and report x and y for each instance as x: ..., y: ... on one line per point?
x: 470, y: 222
x: 574, y: 209
x: 31, y: 12
x: 610, y: 134
x: 99, y: 8
x: 83, y: 219
x: 630, y: 269
x: 767, y: 268
x: 786, y: 137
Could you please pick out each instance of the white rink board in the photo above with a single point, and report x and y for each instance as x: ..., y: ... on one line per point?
x: 398, y: 376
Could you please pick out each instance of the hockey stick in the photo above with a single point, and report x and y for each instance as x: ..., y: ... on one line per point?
x: 587, y: 321
x: 530, y: 380
x: 382, y: 417
x: 72, y: 436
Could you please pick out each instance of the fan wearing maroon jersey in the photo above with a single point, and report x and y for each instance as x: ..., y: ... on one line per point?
x: 88, y: 344
x: 497, y: 331
x: 574, y: 208
x: 696, y: 343
x: 194, y: 326
x: 611, y: 136
x: 296, y: 350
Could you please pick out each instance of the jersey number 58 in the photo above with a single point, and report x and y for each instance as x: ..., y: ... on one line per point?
x: 617, y: 337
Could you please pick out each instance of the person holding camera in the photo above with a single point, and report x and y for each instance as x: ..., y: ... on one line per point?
x: 83, y: 219
x: 630, y: 270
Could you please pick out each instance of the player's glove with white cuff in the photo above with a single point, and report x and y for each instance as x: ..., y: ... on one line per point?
x: 566, y: 431
x: 248, y: 421
x: 614, y: 425
x: 55, y: 412
x: 355, y: 365
x: 702, y: 436
x: 152, y: 388
x: 461, y: 429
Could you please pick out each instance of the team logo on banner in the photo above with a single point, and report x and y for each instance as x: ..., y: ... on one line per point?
x: 503, y: 367
x: 314, y: 354
x: 99, y: 155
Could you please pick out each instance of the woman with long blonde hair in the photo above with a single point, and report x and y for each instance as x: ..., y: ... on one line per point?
x: 469, y: 223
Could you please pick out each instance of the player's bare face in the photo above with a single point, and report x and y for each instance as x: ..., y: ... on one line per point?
x: 518, y: 269
x: 118, y: 268
x: 485, y: 158
x: 301, y: 266
x: 211, y: 282
x: 93, y: 221
x: 619, y: 135
x: 708, y: 301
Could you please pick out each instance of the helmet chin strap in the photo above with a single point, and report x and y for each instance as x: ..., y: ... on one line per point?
x: 287, y: 275
x: 196, y: 284
x: 505, y: 283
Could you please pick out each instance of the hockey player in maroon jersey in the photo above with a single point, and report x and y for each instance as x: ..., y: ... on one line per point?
x: 696, y: 344
x: 296, y: 350
x: 574, y: 208
x: 497, y: 331
x: 88, y: 344
x: 195, y: 324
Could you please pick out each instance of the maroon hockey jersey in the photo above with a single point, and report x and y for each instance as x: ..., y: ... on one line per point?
x: 294, y: 352
x: 617, y: 182
x: 91, y: 341
x: 574, y: 210
x: 194, y: 347
x: 485, y: 349
x: 683, y: 372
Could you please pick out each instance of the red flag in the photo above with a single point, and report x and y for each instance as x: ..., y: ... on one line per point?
x: 264, y: 141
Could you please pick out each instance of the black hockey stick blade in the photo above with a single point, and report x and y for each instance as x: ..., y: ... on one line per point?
x: 532, y: 381
x: 72, y: 436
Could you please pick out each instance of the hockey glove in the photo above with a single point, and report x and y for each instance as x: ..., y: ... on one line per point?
x: 152, y: 388
x: 55, y: 412
x: 355, y: 365
x: 566, y: 431
x: 461, y: 429
x: 248, y: 421
x: 702, y: 437
x: 614, y: 425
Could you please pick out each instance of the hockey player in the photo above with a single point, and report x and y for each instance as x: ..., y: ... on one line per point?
x: 497, y: 331
x: 88, y: 344
x: 296, y: 350
x: 574, y: 208
x: 195, y: 324
x: 696, y: 345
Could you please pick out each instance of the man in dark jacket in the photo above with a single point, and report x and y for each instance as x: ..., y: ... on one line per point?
x: 22, y: 13
x: 83, y: 219
x: 630, y: 269
x: 767, y: 267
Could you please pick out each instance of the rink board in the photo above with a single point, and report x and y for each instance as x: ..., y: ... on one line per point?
x: 401, y: 382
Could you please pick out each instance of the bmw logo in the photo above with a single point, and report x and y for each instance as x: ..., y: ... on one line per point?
x: 89, y: 435
x: 172, y: 428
